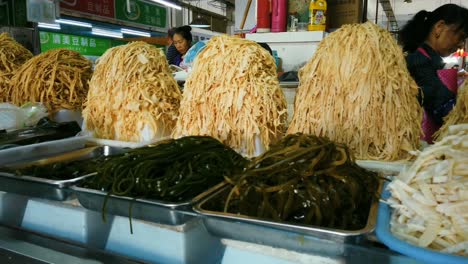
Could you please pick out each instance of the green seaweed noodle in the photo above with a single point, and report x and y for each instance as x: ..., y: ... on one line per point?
x: 172, y: 171
x: 307, y: 180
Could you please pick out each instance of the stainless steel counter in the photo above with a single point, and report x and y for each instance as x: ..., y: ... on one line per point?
x: 40, y: 231
x: 19, y: 246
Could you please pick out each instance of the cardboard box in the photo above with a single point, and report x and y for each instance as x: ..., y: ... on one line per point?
x: 341, y: 12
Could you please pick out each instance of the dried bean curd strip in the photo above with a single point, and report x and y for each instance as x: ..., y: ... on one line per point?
x: 357, y: 90
x: 233, y: 95
x: 132, y: 95
x: 57, y: 78
x: 12, y: 56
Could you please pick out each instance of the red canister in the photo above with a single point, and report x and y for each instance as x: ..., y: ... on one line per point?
x: 263, y: 15
x: 279, y: 15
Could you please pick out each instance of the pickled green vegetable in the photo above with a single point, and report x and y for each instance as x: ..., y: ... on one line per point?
x: 305, y: 179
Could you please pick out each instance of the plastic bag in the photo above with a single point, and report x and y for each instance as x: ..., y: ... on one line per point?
x: 191, y: 54
x: 14, y: 117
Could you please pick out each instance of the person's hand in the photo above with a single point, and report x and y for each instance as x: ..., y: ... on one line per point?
x: 462, y: 74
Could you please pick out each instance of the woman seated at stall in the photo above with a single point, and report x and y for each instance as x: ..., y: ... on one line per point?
x: 171, y: 50
x: 182, y: 40
x: 427, y: 38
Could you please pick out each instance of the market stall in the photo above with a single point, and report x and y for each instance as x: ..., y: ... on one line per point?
x: 236, y: 167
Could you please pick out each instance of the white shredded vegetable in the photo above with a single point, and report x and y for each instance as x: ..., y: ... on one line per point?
x: 430, y: 198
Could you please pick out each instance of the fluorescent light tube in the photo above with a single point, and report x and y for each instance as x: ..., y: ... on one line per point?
x: 48, y: 25
x: 74, y: 23
x: 168, y: 4
x: 135, y: 32
x: 106, y: 33
x: 199, y: 26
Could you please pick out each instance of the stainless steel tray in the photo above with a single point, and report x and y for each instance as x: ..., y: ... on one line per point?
x: 51, y: 189
x: 245, y: 228
x: 39, y: 187
x: 41, y: 150
x: 156, y: 211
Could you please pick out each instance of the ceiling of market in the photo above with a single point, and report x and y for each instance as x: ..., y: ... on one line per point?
x: 405, y: 11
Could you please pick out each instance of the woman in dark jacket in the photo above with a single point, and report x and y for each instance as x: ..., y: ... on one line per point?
x: 182, y: 39
x: 171, y: 50
x: 427, y: 38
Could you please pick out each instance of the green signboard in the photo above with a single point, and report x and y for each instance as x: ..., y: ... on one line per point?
x: 141, y: 13
x: 84, y: 45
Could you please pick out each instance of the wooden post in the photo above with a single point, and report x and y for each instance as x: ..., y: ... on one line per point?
x: 246, y: 12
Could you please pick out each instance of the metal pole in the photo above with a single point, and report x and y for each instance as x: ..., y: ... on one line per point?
x: 376, y: 10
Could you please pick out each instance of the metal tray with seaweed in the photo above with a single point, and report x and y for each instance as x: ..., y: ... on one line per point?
x: 39, y: 179
x: 242, y: 227
x: 157, y: 211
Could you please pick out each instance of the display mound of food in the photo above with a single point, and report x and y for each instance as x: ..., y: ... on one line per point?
x: 303, y: 179
x: 132, y: 95
x: 233, y: 94
x: 459, y: 113
x: 56, y: 78
x: 429, y: 199
x: 356, y: 90
x: 12, y: 56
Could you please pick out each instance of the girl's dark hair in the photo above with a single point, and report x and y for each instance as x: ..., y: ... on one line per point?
x: 265, y: 46
x: 184, y: 31
x: 170, y: 32
x: 418, y: 28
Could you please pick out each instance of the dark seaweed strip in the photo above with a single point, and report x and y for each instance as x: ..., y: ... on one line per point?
x: 130, y: 215
x: 305, y: 179
x: 104, y: 204
x: 171, y: 171
x: 58, y: 171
